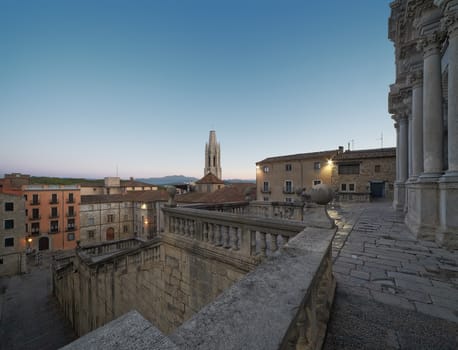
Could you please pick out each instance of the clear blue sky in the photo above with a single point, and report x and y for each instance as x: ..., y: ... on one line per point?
x: 88, y: 86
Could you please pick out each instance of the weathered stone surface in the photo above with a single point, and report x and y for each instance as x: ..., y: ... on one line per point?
x: 130, y: 331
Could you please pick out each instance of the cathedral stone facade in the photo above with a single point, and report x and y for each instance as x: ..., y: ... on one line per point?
x: 423, y: 102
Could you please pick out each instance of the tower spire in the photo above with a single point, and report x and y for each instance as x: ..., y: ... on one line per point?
x: 213, y: 156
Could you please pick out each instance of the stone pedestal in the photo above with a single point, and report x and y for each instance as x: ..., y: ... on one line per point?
x: 399, y: 195
x: 423, y: 215
x: 447, y: 235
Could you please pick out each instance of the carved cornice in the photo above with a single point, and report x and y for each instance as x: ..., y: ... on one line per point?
x: 431, y: 43
x: 450, y: 24
x: 415, y: 78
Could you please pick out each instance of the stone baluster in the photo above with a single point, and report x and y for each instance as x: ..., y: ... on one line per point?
x: 218, y: 235
x: 285, y: 239
x: 432, y: 106
x: 263, y: 243
x: 226, y: 237
x: 273, y: 242
x: 233, y: 231
x: 205, y: 231
x: 211, y: 228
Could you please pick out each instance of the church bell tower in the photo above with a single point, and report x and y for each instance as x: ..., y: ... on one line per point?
x: 213, y: 156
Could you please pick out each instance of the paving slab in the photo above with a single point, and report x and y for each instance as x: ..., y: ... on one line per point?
x: 395, y: 277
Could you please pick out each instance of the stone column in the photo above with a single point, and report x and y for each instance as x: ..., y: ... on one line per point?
x: 432, y: 107
x: 448, y: 234
x: 452, y: 117
x: 417, y: 124
x: 403, y: 148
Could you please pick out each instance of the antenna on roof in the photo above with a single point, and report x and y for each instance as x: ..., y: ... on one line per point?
x: 381, y: 140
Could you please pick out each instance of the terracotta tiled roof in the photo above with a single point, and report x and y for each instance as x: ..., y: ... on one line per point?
x: 229, y: 193
x: 366, y: 153
x: 135, y: 196
x: 210, y: 179
x: 300, y: 156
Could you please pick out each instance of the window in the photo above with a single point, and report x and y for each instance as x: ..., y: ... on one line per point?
x: 125, y: 229
x: 316, y: 182
x: 265, y: 186
x: 54, y: 226
x: 70, y: 198
x: 54, y: 212
x: 288, y: 200
x: 35, y: 214
x: 377, y: 168
x: 288, y: 167
x: 71, y: 211
x: 54, y: 198
x: 110, y: 218
x: 91, y: 234
x: 348, y: 169
x: 9, y: 206
x: 70, y: 224
x: 9, y: 242
x: 9, y: 224
x: 35, y: 199
x: 91, y: 221
x: 266, y: 169
x: 347, y: 187
x: 70, y: 236
x: 35, y: 228
x: 288, y: 186
x: 317, y: 165
x: 26, y: 227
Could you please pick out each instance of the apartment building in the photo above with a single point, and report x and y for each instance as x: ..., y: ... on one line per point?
x: 12, y: 234
x: 281, y: 178
x: 364, y: 174
x: 119, y: 216
x: 52, y: 216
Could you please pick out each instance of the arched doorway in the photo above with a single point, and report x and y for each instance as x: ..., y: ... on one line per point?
x: 43, y: 243
x: 110, y: 234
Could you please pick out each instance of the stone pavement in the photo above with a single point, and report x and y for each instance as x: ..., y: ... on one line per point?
x: 393, y: 292
x: 29, y: 315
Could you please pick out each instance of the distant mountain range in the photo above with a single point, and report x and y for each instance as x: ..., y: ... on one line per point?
x: 181, y: 179
x: 168, y: 180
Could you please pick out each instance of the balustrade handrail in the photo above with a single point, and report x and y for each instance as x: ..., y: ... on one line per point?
x: 236, y: 219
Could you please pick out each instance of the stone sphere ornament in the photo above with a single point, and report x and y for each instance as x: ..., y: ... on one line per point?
x: 321, y: 194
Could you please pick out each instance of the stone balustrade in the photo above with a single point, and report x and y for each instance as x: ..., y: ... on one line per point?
x: 246, y: 235
x: 221, y: 281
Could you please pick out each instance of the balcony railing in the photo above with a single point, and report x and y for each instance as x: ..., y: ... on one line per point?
x: 71, y: 214
x: 53, y: 216
x: 35, y: 217
x: 54, y: 230
x: 35, y: 232
x: 53, y: 201
x: 34, y: 202
x: 70, y: 200
x: 288, y: 191
x: 265, y: 190
x: 71, y: 228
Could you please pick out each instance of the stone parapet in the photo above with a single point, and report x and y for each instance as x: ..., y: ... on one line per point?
x: 283, y: 304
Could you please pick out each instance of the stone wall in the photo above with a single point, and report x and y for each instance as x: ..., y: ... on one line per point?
x: 12, y: 263
x: 166, y: 284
